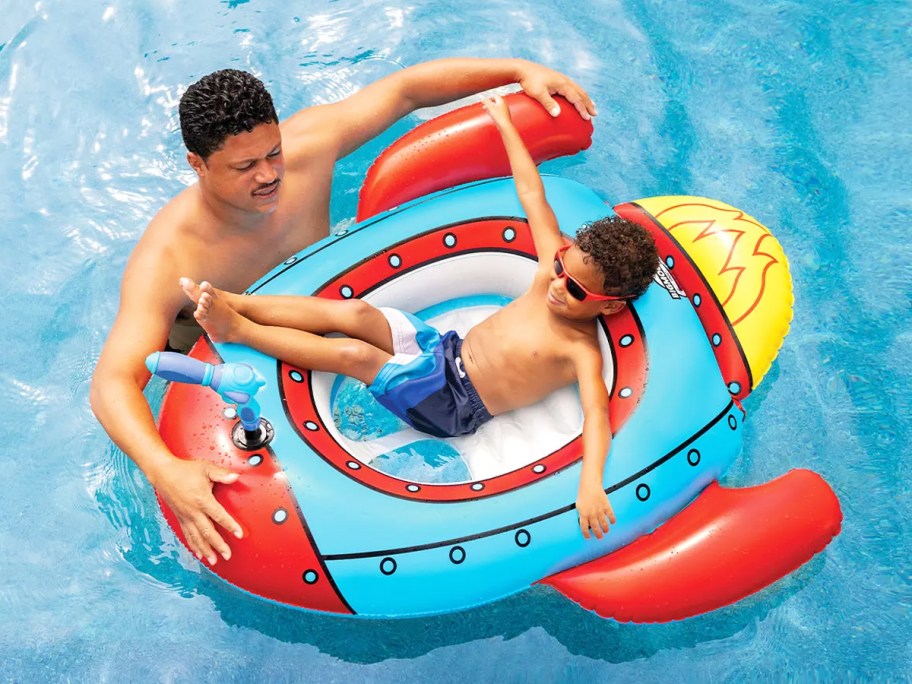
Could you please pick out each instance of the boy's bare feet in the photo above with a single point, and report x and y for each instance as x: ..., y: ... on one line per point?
x: 193, y: 290
x: 213, y: 312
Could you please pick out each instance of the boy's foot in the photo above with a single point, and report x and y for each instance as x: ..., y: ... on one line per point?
x: 193, y: 290
x: 218, y: 319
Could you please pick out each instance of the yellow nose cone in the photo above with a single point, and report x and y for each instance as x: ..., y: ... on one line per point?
x: 741, y: 263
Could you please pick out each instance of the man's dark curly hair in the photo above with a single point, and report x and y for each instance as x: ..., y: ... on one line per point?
x: 623, y: 251
x: 222, y: 104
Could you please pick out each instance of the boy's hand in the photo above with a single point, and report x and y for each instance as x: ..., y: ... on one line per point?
x: 498, y: 109
x: 594, y: 511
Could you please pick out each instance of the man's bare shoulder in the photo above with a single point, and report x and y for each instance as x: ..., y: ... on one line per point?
x: 161, y: 254
x: 309, y: 137
x: 151, y: 275
x: 150, y: 297
x: 182, y: 211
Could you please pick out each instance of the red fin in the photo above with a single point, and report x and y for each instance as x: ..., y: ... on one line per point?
x: 727, y: 544
x: 277, y: 558
x: 463, y: 146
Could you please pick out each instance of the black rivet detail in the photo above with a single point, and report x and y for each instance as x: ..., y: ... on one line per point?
x: 457, y: 555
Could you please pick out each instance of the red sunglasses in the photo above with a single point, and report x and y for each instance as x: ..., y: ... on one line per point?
x: 576, y: 290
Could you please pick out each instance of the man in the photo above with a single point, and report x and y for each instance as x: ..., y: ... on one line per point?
x: 262, y: 195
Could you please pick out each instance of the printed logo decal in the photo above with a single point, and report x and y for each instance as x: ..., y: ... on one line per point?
x: 663, y: 277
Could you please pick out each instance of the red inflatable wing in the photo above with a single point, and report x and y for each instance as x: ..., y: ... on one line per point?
x: 277, y: 558
x: 727, y: 544
x: 463, y: 146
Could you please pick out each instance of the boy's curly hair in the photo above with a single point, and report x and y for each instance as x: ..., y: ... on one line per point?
x: 623, y: 251
x: 222, y: 104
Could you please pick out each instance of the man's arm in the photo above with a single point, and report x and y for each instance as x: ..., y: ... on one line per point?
x: 529, y: 187
x: 345, y: 126
x: 140, y: 328
x: 592, y: 505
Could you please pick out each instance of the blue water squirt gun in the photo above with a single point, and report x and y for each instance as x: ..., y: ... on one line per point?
x: 236, y: 383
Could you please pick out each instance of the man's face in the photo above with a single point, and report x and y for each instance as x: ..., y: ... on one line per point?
x: 246, y: 172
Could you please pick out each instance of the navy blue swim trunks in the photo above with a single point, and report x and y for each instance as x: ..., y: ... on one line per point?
x: 424, y: 382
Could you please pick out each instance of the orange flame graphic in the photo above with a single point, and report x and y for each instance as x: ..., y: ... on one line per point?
x: 741, y: 279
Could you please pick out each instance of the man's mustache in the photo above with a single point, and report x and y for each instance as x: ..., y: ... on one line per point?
x: 269, y: 186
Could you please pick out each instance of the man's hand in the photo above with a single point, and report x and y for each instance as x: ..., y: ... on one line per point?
x: 594, y: 511
x: 541, y: 83
x: 186, y: 487
x: 498, y: 109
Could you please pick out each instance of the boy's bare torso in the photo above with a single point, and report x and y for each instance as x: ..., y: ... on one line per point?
x: 522, y: 353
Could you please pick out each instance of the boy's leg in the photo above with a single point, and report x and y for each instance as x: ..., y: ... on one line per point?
x: 356, y: 358
x: 352, y: 317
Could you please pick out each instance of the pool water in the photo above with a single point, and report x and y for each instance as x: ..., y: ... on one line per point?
x: 799, y: 113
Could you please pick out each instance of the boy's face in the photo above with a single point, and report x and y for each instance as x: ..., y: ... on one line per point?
x: 563, y: 303
x: 246, y: 171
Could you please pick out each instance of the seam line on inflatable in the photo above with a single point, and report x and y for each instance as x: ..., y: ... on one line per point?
x: 709, y: 290
x: 538, y: 518
x: 313, y: 542
x: 380, y: 218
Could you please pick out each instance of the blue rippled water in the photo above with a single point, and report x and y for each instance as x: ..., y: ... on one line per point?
x: 798, y: 113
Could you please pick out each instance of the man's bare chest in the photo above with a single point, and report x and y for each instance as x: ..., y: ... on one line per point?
x: 235, y: 262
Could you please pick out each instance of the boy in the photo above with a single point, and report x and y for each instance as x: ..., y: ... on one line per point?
x: 541, y: 341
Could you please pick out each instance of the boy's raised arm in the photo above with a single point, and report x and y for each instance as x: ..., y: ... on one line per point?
x: 529, y: 186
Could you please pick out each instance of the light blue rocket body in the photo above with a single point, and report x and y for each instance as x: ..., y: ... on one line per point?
x: 389, y: 555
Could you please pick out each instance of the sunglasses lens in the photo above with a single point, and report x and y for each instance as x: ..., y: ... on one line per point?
x: 558, y: 267
x: 575, y: 290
